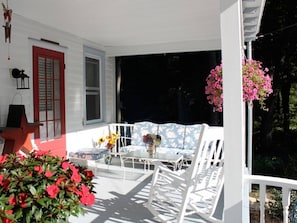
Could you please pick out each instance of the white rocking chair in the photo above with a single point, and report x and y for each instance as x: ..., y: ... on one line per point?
x: 196, y: 189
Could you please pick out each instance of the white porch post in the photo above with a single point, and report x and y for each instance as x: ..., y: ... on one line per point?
x: 250, y: 121
x: 233, y: 114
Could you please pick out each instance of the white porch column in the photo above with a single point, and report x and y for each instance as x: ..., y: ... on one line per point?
x: 233, y: 113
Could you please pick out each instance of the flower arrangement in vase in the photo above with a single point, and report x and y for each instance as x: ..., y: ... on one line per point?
x: 152, y: 140
x: 257, y: 84
x: 109, y: 142
x: 39, y: 187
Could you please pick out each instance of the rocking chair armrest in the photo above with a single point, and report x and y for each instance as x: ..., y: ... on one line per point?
x: 160, y: 167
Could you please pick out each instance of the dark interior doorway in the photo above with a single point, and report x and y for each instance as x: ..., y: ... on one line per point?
x: 166, y: 88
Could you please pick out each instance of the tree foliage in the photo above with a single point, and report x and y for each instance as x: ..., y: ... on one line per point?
x: 276, y: 47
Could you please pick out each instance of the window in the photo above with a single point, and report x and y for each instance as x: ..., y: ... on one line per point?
x: 93, y: 75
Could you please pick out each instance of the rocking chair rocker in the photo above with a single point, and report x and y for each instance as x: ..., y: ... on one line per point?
x: 194, y: 190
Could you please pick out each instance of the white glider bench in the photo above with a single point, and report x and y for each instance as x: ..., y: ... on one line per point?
x: 175, y: 138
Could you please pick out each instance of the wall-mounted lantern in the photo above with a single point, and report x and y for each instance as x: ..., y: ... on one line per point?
x: 22, y: 79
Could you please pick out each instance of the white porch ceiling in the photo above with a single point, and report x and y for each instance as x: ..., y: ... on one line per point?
x: 190, y: 24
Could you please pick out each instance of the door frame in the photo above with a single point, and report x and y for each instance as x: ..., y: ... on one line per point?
x: 50, y: 52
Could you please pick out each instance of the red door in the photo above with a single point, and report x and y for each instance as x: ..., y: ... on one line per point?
x: 49, y: 100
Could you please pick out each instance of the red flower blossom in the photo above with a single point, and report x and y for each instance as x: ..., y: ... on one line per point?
x: 6, y: 220
x: 65, y: 165
x: 85, y: 189
x: 49, y: 180
x: 49, y: 173
x: 38, y: 169
x: 3, y: 158
x: 73, y: 168
x: 39, y: 153
x: 73, y: 189
x: 60, y: 180
x: 52, y: 190
x: 1, y: 179
x: 89, y: 173
x: 22, y: 200
x: 21, y: 155
x: 12, y: 200
x: 5, y: 184
x: 76, y: 177
x: 88, y: 199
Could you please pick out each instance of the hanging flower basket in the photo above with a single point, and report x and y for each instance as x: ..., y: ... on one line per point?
x: 257, y: 84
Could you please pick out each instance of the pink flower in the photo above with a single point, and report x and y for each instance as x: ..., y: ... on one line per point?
x: 6, y: 220
x: 4, y: 182
x: 73, y: 168
x: 1, y: 179
x: 3, y: 158
x: 48, y: 173
x: 256, y: 84
x: 12, y: 200
x: 89, y: 174
x: 38, y: 169
x: 87, y: 198
x: 73, y: 189
x: 65, y: 165
x: 60, y: 180
x: 85, y: 189
x: 21, y: 155
x: 76, y: 177
x: 22, y: 200
x: 40, y: 153
x: 52, y: 190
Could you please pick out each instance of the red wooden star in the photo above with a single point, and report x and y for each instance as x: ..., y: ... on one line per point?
x: 18, y: 138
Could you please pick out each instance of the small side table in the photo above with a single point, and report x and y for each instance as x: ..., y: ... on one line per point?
x: 90, y: 153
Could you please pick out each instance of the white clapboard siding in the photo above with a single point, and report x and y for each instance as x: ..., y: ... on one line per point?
x: 26, y: 33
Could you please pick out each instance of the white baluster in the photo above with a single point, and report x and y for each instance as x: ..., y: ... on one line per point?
x: 286, y: 203
x: 262, y: 202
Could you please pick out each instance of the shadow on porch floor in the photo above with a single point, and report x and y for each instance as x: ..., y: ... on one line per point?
x: 121, y: 195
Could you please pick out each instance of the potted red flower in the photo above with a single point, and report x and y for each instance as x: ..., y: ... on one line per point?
x: 39, y: 187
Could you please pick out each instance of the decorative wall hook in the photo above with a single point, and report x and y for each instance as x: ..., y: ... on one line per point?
x: 22, y: 79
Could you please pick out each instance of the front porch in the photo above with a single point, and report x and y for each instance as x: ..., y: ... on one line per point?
x: 122, y: 194
x: 145, y: 27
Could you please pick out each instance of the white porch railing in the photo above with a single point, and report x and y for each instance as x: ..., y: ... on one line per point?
x: 286, y: 186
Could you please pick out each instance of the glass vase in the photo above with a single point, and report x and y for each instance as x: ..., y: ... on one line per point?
x: 108, y: 158
x: 151, y: 149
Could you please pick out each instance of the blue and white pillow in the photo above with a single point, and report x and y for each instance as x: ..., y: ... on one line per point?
x: 191, y: 136
x: 172, y: 135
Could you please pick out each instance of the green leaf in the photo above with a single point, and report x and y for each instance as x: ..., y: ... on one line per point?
x: 32, y: 190
x: 18, y: 214
x: 28, y: 216
x: 38, y: 214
